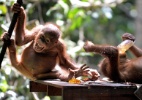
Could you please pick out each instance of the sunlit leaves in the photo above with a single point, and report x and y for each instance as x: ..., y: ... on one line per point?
x: 76, y: 16
x: 3, y: 9
x: 3, y: 84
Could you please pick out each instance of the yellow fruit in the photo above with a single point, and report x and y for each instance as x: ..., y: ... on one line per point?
x: 74, y: 81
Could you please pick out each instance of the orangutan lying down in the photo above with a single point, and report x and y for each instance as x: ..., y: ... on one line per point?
x: 116, y: 65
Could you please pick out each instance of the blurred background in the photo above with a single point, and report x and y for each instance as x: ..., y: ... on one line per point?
x: 99, y: 21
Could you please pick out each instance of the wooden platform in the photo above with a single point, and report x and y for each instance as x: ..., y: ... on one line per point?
x: 85, y: 91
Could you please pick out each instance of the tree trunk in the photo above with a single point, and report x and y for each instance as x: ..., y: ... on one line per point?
x: 138, y: 23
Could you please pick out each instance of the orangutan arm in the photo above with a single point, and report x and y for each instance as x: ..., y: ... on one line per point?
x: 23, y: 35
x: 134, y: 49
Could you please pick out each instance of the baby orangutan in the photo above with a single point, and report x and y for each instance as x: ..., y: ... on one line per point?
x: 116, y: 66
x: 46, y: 49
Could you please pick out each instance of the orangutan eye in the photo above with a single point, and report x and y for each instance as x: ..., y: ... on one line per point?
x: 47, y: 40
x: 42, y: 38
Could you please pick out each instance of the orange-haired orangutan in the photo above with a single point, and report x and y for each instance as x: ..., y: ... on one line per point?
x: 117, y: 66
x: 46, y: 49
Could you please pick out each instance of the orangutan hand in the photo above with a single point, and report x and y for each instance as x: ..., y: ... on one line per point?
x: 88, y: 46
x: 128, y: 36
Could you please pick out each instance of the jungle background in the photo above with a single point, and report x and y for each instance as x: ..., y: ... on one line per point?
x: 100, y: 21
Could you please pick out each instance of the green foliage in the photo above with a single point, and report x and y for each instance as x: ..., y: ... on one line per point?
x: 3, y: 9
x: 3, y: 84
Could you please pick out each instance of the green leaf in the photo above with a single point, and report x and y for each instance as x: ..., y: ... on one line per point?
x: 3, y: 10
x: 3, y: 84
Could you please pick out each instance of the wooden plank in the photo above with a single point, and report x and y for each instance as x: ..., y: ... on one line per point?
x: 53, y: 91
x: 37, y: 87
x: 97, y: 94
x: 59, y: 84
x: 89, y: 91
